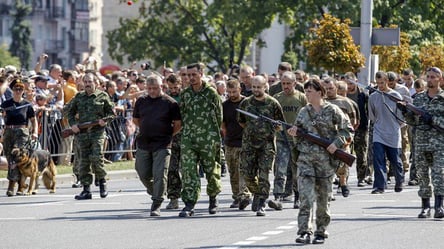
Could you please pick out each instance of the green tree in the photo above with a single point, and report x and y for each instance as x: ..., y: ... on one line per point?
x: 431, y: 55
x: 6, y: 58
x: 21, y: 33
x: 331, y: 46
x: 184, y: 31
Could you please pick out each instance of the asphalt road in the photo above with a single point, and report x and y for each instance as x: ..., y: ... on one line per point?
x: 122, y: 221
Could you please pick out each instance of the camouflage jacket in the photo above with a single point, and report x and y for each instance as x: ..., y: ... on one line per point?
x: 89, y: 108
x: 258, y: 132
x: 424, y: 132
x: 436, y: 109
x: 201, y: 113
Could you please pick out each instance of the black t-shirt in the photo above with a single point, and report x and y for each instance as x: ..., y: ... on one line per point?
x: 233, y: 136
x: 16, y: 114
x: 156, y: 118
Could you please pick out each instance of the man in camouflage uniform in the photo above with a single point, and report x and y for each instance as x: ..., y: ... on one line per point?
x: 291, y: 101
x: 201, y: 110
x: 316, y: 166
x: 331, y: 87
x: 174, y: 185
x: 429, y: 143
x: 258, y: 143
x: 90, y: 105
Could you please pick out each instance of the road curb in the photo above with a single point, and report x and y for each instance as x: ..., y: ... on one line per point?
x: 69, y: 178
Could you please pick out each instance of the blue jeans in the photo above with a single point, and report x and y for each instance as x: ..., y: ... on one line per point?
x: 380, y: 151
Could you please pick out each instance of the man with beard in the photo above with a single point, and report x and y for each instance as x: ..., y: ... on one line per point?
x: 90, y: 105
x: 232, y: 132
x: 174, y: 185
x: 258, y: 142
x: 201, y: 110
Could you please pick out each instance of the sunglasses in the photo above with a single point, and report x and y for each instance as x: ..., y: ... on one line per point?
x: 435, y: 70
x: 18, y: 89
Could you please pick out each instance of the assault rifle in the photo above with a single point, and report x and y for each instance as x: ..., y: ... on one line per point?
x: 342, y: 155
x: 414, y: 109
x: 13, y: 107
x: 82, y: 126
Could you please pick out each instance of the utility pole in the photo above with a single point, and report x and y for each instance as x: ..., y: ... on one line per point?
x: 366, y: 40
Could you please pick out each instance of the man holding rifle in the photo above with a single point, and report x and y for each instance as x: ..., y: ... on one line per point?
x: 428, y: 140
x: 316, y: 165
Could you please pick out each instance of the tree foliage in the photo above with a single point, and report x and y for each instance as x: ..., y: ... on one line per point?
x: 185, y: 31
x: 21, y: 33
x: 7, y: 59
x: 432, y: 55
x: 332, y: 46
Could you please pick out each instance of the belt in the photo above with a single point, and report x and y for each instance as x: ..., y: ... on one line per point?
x: 15, y: 126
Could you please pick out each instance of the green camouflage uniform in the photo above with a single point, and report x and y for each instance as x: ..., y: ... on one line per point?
x: 200, y: 142
x: 286, y: 154
x: 347, y: 107
x: 258, y: 143
x: 316, y: 167
x: 91, y: 108
x: 429, y: 145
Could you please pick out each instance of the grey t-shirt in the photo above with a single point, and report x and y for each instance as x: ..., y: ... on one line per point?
x: 383, y: 112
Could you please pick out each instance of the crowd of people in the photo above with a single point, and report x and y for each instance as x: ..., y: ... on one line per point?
x: 186, y: 125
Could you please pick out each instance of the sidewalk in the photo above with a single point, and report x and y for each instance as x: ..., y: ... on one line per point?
x: 68, y: 178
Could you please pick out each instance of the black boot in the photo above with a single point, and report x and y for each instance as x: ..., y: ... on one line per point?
x: 296, y: 203
x: 439, y: 211
x: 187, y: 211
x: 261, y: 207
x: 102, y: 187
x: 212, y: 209
x: 425, y: 211
x: 77, y: 183
x: 85, y: 194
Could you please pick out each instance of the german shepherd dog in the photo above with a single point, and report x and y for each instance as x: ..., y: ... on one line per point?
x: 32, y: 164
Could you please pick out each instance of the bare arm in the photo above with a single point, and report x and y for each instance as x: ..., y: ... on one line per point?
x: 177, y: 125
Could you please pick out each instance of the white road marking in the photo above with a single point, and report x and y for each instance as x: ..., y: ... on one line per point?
x: 285, y: 227
x: 20, y: 218
x: 272, y: 232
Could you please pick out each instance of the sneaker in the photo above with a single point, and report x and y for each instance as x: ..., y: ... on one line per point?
x: 318, y: 240
x: 304, y: 239
x: 369, y: 181
x: 235, y: 204
x: 173, y: 204
x: 361, y: 183
x: 276, y: 205
x: 345, y: 191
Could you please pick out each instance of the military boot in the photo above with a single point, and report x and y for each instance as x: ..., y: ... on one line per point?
x: 275, y: 204
x: 425, y: 211
x: 187, y: 211
x: 255, y: 203
x: 174, y: 204
x: 439, y: 210
x: 261, y: 207
x: 77, y: 183
x: 244, y: 202
x: 296, y: 203
x: 10, y: 191
x: 103, y: 188
x: 155, y: 208
x: 212, y: 208
x: 85, y: 194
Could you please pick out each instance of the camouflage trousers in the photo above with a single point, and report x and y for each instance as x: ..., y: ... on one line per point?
x: 433, y: 162
x: 174, y: 185
x: 16, y: 137
x: 256, y: 164
x: 283, y: 184
x: 91, y: 156
x: 405, y: 144
x: 314, y: 189
x: 237, y: 182
x: 360, y: 148
x: 206, y: 154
